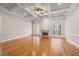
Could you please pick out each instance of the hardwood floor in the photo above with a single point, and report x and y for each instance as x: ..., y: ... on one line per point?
x: 38, y: 46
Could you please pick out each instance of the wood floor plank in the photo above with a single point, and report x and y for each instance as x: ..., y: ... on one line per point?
x: 38, y: 46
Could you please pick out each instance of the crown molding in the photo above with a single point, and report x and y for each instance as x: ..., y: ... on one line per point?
x: 19, y: 6
x: 13, y: 13
x: 31, y: 12
x: 71, y: 9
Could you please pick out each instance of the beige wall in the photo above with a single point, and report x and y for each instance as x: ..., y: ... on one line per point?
x: 13, y: 26
x: 72, y: 27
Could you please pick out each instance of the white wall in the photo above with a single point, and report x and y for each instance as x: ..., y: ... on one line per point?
x: 45, y: 24
x: 72, y: 27
x: 57, y: 21
x: 0, y: 27
x: 13, y: 26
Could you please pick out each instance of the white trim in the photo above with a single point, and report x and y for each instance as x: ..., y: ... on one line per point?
x: 7, y: 37
x: 71, y: 10
x: 2, y: 9
x: 0, y: 26
x: 76, y: 35
x: 0, y: 23
x: 14, y: 38
x: 12, y: 33
x: 27, y: 9
x: 69, y: 36
x: 73, y: 43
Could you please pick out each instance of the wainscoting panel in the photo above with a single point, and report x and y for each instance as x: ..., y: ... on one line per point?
x: 10, y: 36
x: 0, y: 37
x: 73, y: 39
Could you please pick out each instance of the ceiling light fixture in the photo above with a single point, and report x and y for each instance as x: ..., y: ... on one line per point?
x: 38, y: 11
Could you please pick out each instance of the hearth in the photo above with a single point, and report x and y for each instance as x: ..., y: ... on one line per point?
x: 45, y: 32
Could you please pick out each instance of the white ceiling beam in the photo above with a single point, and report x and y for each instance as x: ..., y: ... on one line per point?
x: 57, y: 11
x: 13, y: 13
x: 10, y: 12
x: 31, y: 17
x: 31, y: 12
x: 71, y: 9
x: 49, y: 11
x: 73, y: 6
x: 60, y: 11
x: 54, y: 12
x: 19, y: 6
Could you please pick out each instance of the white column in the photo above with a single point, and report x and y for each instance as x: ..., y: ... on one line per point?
x: 49, y: 13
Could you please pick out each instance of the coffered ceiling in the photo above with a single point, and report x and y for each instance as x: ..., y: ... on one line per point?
x: 8, y: 5
x: 25, y: 10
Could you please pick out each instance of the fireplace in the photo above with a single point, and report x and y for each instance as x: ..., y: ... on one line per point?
x: 45, y: 32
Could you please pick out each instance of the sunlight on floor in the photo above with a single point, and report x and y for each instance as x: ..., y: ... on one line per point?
x: 56, y: 44
x: 36, y: 40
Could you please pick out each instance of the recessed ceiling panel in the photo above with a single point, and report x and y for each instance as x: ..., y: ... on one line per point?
x: 19, y: 8
x: 8, y: 5
x: 56, y: 6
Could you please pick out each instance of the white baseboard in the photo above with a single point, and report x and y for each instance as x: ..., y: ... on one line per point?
x: 73, y: 39
x: 73, y: 43
x: 12, y: 36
